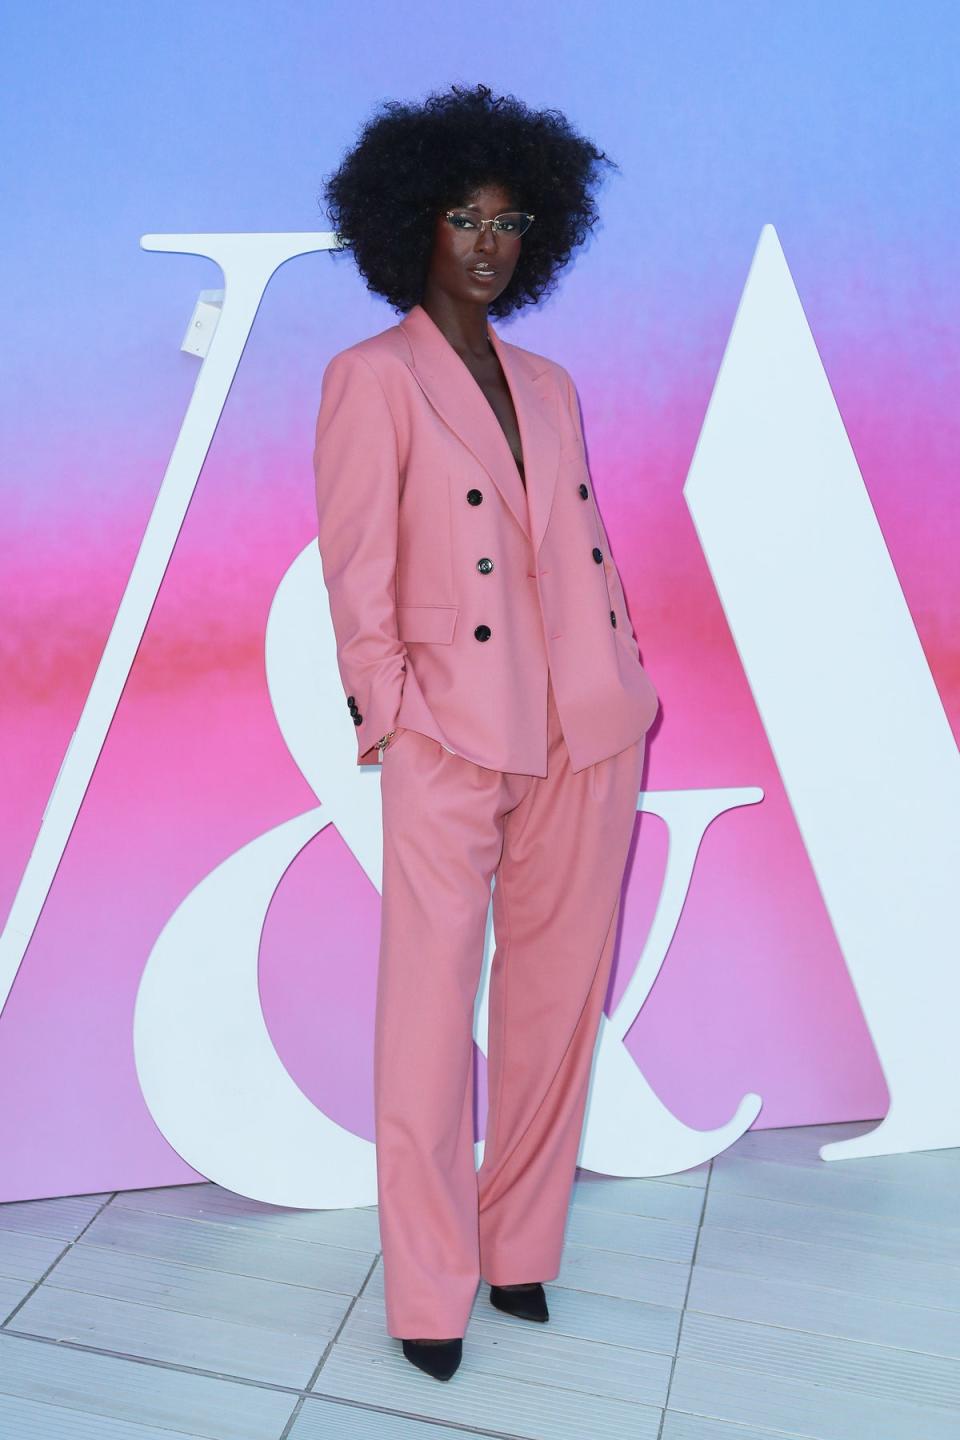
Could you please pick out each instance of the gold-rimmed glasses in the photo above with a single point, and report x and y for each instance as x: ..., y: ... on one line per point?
x: 511, y: 222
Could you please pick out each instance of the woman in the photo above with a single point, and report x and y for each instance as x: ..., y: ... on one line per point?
x: 490, y: 667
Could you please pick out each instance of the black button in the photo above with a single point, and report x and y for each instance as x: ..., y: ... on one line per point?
x: 357, y: 718
x: 613, y: 618
x: 482, y: 632
x: 351, y: 701
x: 583, y: 491
x: 597, y: 554
x: 353, y: 709
x: 474, y: 496
x: 484, y: 566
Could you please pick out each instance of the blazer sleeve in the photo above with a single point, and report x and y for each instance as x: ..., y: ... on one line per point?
x: 357, y: 475
x: 616, y: 584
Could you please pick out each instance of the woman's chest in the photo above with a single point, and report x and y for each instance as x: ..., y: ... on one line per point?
x: 492, y: 385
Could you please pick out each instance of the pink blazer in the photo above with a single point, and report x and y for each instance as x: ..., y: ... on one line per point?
x: 451, y: 588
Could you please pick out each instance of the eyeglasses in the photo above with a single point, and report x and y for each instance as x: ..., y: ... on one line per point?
x: 511, y: 222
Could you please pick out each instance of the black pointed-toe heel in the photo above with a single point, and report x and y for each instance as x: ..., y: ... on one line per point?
x: 524, y: 1304
x: 440, y: 1361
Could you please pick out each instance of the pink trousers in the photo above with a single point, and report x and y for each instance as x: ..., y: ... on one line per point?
x: 555, y: 848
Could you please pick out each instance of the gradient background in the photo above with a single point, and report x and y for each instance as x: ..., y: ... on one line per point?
x: 835, y: 122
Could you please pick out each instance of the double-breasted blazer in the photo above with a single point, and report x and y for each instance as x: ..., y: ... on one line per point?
x: 451, y: 587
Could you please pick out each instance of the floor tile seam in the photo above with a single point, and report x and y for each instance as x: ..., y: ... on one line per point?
x: 775, y: 1378
x: 581, y: 1207
x: 21, y: 1234
x: 728, y: 1364
x: 337, y: 1400
x: 865, y: 1295
x: 68, y: 1410
x: 551, y: 1384
x: 634, y: 1254
x: 327, y: 1350
x: 438, y: 1421
x: 248, y: 1228
x: 627, y: 1299
x: 354, y: 1301
x: 80, y: 1347
x: 933, y: 1226
x: 599, y: 1295
x: 611, y: 1295
x: 952, y: 1360
x: 828, y: 1334
x: 673, y: 1179
x: 214, y: 1269
x: 155, y: 1309
x: 236, y: 1219
x: 683, y: 1307
x: 122, y: 1204
x: 349, y: 1344
x: 832, y: 1170
x: 579, y: 1338
x: 736, y: 1425
x: 602, y: 1182
x: 841, y: 1210
x: 54, y: 1263
x: 498, y: 1332
x: 52, y: 1284
x: 826, y: 1242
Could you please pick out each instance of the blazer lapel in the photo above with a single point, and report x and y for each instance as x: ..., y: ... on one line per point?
x: 462, y: 405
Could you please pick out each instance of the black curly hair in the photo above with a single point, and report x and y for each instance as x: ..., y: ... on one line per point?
x: 413, y: 161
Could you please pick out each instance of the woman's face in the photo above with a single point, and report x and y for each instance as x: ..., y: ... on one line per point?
x: 458, y: 251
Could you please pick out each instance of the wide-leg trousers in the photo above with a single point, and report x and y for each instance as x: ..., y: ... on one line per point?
x: 554, y: 849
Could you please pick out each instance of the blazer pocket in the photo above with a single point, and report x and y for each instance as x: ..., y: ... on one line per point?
x: 432, y: 623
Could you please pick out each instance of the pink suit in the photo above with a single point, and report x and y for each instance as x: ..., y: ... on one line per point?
x: 487, y: 624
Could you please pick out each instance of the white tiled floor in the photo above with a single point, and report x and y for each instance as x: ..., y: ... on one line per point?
x: 768, y: 1294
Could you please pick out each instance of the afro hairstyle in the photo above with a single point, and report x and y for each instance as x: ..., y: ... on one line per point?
x: 413, y: 161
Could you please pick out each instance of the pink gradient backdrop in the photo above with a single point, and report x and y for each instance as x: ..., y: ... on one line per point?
x: 754, y: 994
